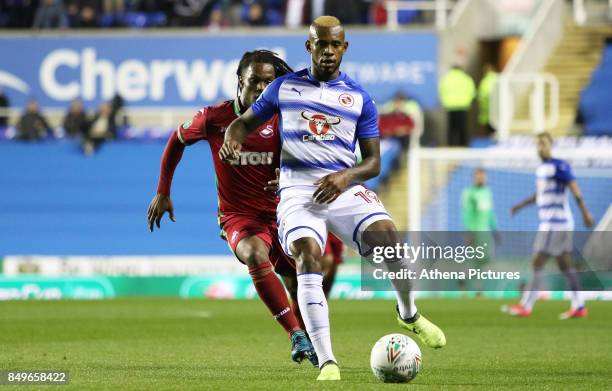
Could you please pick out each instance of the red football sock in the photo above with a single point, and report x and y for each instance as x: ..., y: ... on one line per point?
x: 272, y: 293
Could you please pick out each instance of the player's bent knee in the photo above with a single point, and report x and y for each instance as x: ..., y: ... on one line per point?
x: 252, y: 253
x: 381, y: 233
x: 307, y: 253
x: 257, y: 257
x: 381, y: 226
x: 305, y: 247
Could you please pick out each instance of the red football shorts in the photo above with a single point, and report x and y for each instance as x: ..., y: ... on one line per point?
x: 235, y: 227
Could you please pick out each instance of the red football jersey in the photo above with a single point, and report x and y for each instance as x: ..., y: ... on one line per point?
x: 240, y: 185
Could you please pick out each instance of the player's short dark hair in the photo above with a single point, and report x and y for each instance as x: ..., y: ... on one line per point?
x: 263, y: 57
x: 545, y: 135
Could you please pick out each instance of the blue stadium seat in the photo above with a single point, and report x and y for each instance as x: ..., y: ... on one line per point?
x: 61, y: 202
x: 107, y: 20
x: 596, y: 97
x: 390, y: 150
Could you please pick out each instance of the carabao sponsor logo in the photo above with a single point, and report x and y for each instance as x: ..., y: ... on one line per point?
x: 93, y: 77
x: 319, y: 125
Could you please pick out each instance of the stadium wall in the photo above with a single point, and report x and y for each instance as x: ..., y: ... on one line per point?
x: 194, y: 69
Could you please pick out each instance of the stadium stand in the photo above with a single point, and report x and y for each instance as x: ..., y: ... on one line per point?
x: 202, y: 13
x: 56, y: 201
x: 594, y: 109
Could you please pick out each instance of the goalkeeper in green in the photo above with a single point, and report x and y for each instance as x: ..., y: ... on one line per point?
x: 479, y: 219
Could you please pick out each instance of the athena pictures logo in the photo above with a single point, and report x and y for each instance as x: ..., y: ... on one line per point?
x: 319, y: 125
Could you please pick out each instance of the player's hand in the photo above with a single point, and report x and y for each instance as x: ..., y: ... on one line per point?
x: 273, y: 184
x: 588, y: 220
x: 331, y: 186
x: 230, y: 150
x: 161, y: 204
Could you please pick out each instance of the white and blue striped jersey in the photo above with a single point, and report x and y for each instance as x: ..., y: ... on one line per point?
x: 552, y: 178
x: 320, y: 123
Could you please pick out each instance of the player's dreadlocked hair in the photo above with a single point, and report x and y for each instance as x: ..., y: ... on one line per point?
x: 263, y: 57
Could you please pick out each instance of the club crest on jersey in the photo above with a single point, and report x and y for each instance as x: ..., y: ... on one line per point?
x: 319, y: 125
x: 346, y: 100
x: 267, y: 132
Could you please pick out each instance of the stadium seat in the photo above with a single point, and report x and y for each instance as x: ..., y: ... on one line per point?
x: 61, y: 202
x: 596, y: 97
x: 107, y: 20
x: 390, y: 150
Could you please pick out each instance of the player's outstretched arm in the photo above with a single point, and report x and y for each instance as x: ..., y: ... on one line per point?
x: 162, y: 203
x: 236, y: 133
x: 527, y: 201
x: 586, y: 215
x: 332, y: 185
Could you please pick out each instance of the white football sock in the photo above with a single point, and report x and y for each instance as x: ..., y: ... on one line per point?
x: 315, y: 313
x: 531, y: 295
x: 403, y: 292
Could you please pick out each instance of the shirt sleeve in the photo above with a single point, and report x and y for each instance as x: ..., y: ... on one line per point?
x: 564, y: 173
x: 367, y: 124
x: 194, y: 130
x: 267, y: 104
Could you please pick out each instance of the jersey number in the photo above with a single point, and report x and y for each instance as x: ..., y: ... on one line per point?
x: 368, y: 196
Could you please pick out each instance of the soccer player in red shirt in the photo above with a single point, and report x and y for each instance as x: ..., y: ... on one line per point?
x: 247, y: 211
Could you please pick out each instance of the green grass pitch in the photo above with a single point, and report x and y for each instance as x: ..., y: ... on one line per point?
x: 157, y: 344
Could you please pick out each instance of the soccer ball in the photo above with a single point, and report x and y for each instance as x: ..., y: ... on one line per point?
x: 395, y: 358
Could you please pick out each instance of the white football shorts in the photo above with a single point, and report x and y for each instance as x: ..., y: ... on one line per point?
x: 347, y: 217
x: 553, y: 243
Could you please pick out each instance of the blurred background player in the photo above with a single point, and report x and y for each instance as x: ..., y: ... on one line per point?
x: 247, y: 212
x: 477, y: 210
x: 554, y: 238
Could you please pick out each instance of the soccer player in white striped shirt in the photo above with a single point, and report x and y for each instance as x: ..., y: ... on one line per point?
x: 323, y: 114
x: 554, y: 239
